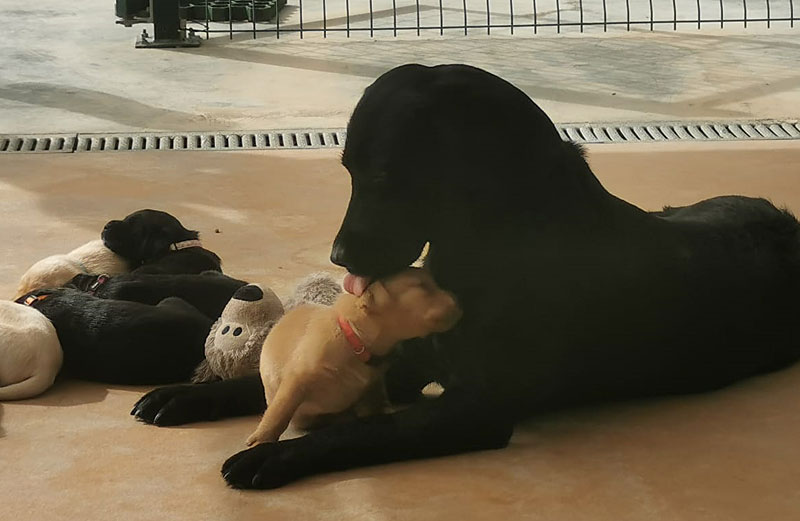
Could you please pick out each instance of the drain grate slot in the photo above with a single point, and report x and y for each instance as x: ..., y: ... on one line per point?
x: 583, y: 133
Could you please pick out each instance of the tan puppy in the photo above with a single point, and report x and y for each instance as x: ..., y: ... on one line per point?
x: 319, y: 362
x: 53, y: 272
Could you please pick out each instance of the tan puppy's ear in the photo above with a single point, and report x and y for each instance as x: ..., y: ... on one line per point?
x: 443, y: 315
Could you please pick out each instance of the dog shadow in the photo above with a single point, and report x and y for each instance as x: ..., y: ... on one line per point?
x: 69, y: 393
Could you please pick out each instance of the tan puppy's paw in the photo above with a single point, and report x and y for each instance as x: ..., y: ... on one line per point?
x: 259, y: 436
x: 253, y: 439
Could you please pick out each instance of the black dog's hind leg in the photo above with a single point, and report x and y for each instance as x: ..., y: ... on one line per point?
x: 455, y: 422
x: 179, y: 404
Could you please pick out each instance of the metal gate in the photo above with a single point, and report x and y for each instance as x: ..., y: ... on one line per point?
x: 375, y: 18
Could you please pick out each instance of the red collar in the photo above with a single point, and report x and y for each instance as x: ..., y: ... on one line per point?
x: 359, y: 348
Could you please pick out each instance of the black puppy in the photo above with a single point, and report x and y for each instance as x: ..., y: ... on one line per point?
x: 118, y: 342
x: 570, y: 295
x: 209, y: 291
x: 156, y: 242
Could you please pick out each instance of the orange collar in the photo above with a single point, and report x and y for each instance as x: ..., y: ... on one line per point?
x: 359, y: 348
x: 34, y: 298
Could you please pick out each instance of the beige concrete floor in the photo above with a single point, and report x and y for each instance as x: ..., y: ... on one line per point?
x: 73, y: 70
x: 75, y: 453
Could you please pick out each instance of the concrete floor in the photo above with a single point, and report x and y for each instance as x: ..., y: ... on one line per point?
x: 74, y: 70
x: 75, y: 453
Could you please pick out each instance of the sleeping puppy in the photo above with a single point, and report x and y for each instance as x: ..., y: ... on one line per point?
x: 321, y: 362
x: 156, y: 242
x: 30, y: 356
x: 55, y: 271
x: 120, y: 342
x: 209, y: 291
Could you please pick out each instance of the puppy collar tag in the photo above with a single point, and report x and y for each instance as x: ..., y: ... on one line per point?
x: 359, y: 348
x: 101, y: 279
x: 193, y: 243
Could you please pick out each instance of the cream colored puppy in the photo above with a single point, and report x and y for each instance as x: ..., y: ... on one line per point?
x: 319, y: 362
x: 30, y: 354
x: 53, y: 272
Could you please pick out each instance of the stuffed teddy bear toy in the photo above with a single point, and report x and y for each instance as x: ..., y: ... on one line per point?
x: 30, y: 353
x: 233, y: 346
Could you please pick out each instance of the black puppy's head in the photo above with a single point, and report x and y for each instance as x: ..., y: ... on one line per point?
x: 145, y: 235
x: 429, y: 146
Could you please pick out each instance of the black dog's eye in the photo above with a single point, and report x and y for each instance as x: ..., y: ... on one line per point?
x: 226, y: 329
x: 237, y: 331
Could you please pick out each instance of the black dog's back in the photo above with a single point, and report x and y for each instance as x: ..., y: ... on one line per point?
x: 209, y: 292
x: 120, y: 342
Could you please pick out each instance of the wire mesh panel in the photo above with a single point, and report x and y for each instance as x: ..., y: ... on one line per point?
x: 347, y: 18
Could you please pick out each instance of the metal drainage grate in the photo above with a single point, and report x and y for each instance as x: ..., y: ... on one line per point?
x: 38, y: 143
x: 335, y: 138
x: 266, y: 140
x: 706, y: 131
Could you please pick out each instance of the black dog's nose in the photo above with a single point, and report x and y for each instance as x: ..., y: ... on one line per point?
x: 337, y: 255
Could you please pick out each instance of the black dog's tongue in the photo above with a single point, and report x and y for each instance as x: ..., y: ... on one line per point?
x: 355, y: 284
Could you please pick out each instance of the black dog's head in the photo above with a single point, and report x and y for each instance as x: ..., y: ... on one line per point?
x: 431, y: 150
x: 145, y: 235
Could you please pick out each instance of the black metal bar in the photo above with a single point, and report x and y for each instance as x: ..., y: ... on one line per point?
x: 511, y: 10
x: 394, y: 16
x: 347, y: 6
x: 253, y: 7
x: 699, y: 16
x: 791, y: 12
x: 652, y: 15
x: 465, y: 17
x: 769, y: 14
x: 324, y: 19
x: 441, y: 18
x: 301, y: 19
x: 721, y: 14
x: 580, y: 8
x: 535, y: 22
x: 674, y: 16
x: 417, y: 17
x: 744, y: 5
x: 206, y: 18
x: 628, y: 14
x: 488, y: 19
x: 278, y: 21
x: 371, y: 21
x: 558, y: 16
x: 605, y: 17
x: 230, y: 20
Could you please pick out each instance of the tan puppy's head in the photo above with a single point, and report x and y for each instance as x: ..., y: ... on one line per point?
x: 51, y: 272
x: 409, y: 304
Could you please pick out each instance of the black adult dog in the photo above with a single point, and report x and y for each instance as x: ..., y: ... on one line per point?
x: 118, y: 342
x: 209, y: 291
x: 156, y: 242
x: 570, y: 295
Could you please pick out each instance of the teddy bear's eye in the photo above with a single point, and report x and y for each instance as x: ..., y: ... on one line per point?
x: 237, y: 331
x: 226, y: 329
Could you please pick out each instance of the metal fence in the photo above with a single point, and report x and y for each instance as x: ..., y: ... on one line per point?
x: 346, y: 18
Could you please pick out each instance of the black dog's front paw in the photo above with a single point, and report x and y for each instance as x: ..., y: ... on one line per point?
x: 173, y: 405
x: 265, y: 466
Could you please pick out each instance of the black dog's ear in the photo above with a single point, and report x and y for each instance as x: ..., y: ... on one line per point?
x: 81, y: 281
x: 153, y: 242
